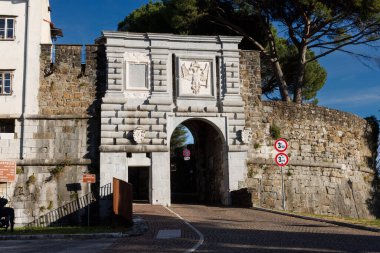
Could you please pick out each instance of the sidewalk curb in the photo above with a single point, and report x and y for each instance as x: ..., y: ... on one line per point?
x: 139, y: 228
x: 338, y: 223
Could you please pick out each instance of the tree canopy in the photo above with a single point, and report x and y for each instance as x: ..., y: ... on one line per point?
x: 320, y: 25
x: 178, y: 138
x: 312, y: 29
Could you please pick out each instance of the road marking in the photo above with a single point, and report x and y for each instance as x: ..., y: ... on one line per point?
x: 168, y: 233
x: 201, y: 237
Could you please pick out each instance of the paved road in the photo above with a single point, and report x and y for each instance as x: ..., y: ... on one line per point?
x: 55, y: 246
x: 246, y: 230
x: 224, y: 229
x: 158, y: 219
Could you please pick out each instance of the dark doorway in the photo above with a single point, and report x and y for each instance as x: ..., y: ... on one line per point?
x: 183, y: 173
x: 139, y: 178
x: 200, y: 177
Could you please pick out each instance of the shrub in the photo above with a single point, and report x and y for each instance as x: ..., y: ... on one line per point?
x: 275, y: 131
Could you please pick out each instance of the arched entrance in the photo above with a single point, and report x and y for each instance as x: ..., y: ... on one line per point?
x: 201, y: 178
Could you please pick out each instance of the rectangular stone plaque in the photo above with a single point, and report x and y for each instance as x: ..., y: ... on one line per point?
x: 7, y: 171
x: 137, y: 76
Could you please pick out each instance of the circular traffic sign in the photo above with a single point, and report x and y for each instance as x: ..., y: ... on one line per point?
x: 186, y: 153
x: 281, y: 145
x: 281, y: 159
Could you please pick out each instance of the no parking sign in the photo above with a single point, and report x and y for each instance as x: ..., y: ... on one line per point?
x: 186, y: 154
x: 281, y: 145
x: 281, y: 159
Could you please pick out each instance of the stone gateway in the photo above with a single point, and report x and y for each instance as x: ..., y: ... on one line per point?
x: 159, y: 81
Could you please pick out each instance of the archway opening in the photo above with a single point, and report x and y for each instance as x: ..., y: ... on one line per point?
x: 197, y: 162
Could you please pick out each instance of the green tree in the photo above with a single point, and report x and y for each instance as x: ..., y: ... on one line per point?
x: 325, y: 25
x: 315, y: 74
x: 178, y: 138
x: 205, y: 17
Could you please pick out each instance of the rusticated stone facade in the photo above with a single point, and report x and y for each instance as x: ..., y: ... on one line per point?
x: 159, y: 81
x: 331, y: 169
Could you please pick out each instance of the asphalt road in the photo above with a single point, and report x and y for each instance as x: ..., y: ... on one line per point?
x: 247, y: 230
x: 56, y: 246
x: 224, y: 229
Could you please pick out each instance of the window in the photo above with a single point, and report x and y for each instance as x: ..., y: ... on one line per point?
x: 137, y: 76
x: 6, y: 82
x: 7, y: 125
x: 7, y: 28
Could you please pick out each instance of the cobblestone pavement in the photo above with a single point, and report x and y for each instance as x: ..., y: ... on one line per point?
x: 247, y: 230
x: 158, y: 218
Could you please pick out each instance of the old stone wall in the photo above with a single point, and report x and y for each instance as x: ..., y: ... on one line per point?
x: 67, y: 86
x: 331, y: 168
x: 55, y: 147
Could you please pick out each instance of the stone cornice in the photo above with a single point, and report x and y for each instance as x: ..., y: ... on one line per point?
x: 171, y: 37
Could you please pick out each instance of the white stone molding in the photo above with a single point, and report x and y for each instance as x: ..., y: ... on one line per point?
x: 136, y: 57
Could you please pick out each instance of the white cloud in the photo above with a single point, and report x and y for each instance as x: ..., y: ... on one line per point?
x: 356, y: 98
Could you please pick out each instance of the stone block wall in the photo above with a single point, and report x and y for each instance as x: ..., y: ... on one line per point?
x: 68, y: 87
x: 10, y: 143
x: 61, y: 142
x: 38, y: 190
x: 331, y: 168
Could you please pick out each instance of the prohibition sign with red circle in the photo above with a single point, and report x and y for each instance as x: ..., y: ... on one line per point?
x: 186, y: 153
x: 281, y: 159
x: 281, y: 145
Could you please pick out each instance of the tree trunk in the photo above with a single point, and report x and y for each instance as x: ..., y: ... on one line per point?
x: 283, y: 86
x: 300, y: 75
x: 281, y: 80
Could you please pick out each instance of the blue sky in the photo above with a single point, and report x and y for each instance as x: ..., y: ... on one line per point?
x: 350, y: 86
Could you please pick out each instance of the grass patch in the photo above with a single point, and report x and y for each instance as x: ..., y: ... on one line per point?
x: 64, y: 230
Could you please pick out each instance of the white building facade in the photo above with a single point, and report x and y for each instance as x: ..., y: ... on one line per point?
x: 24, y: 25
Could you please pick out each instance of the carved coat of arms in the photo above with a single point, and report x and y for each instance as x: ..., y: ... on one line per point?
x: 246, y: 135
x: 196, y: 74
x: 138, y: 135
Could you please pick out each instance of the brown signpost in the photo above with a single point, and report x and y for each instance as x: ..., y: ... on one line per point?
x: 89, y: 178
x: 7, y: 171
